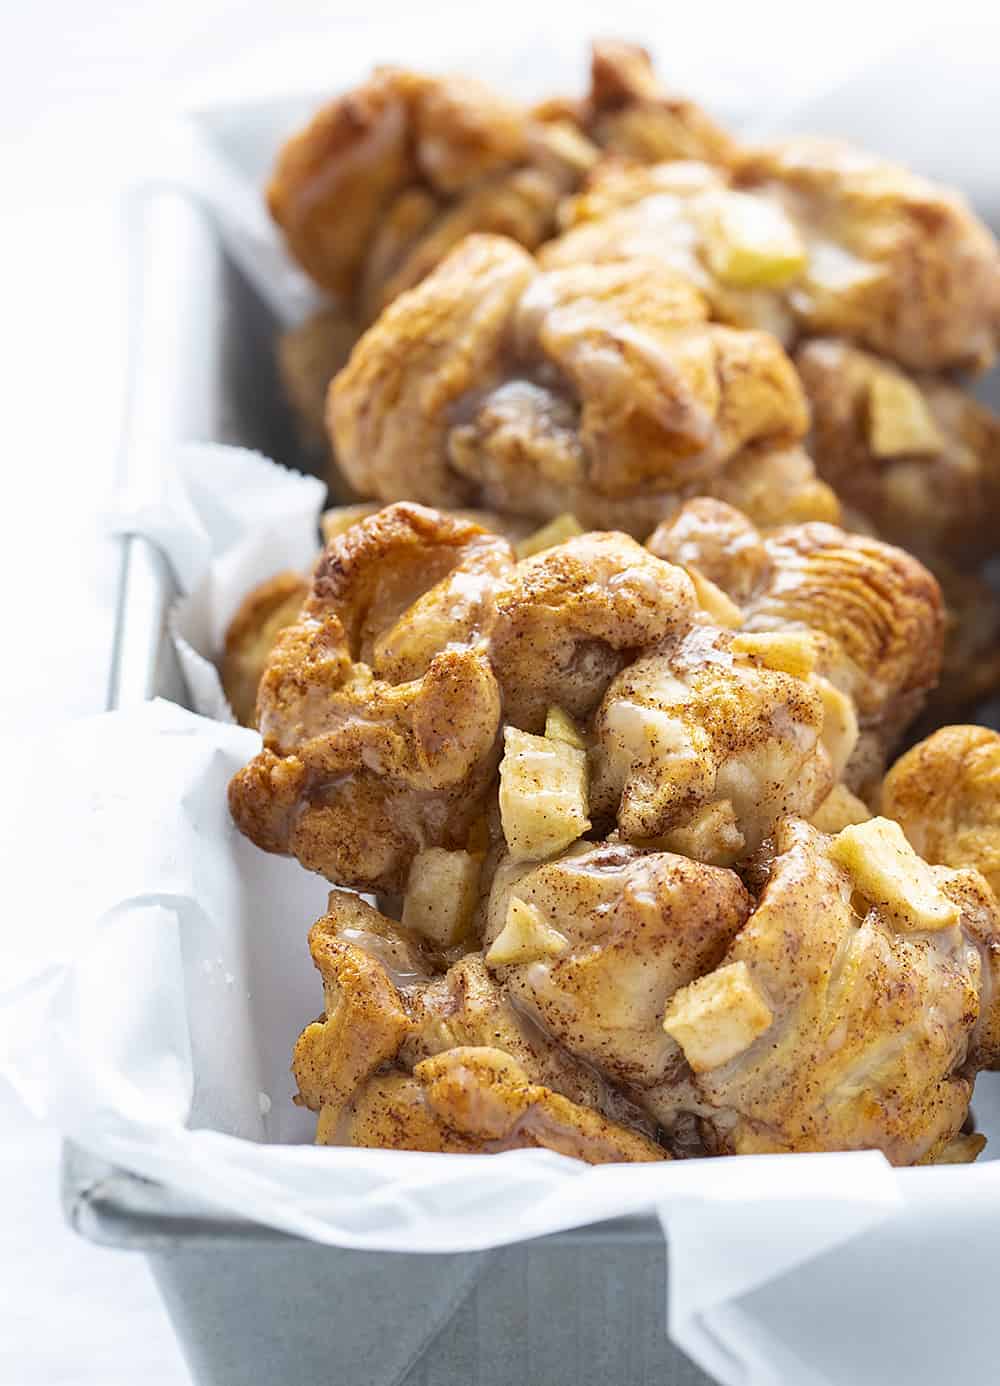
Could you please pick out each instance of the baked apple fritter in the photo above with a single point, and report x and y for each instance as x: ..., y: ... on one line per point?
x: 866, y: 617
x: 602, y: 997
x: 411, y: 1054
x: 848, y: 1008
x: 945, y: 793
x: 623, y: 998
x: 606, y: 686
x: 851, y: 1011
x: 916, y: 455
x: 388, y: 178
x: 379, y: 708
x: 598, y: 390
x: 805, y: 238
x: 630, y: 114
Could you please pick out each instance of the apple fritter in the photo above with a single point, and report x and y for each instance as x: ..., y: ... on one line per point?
x: 598, y: 390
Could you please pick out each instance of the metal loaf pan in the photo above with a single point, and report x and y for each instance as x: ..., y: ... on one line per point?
x: 586, y: 1307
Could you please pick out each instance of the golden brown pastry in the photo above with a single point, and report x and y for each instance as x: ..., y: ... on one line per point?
x: 571, y: 616
x: 970, y: 663
x: 701, y: 737
x: 716, y: 539
x: 410, y: 1056
x: 805, y: 237
x: 865, y: 616
x: 598, y: 390
x: 340, y: 518
x: 916, y: 455
x: 615, y: 683
x: 593, y: 944
x: 945, y: 793
x: 931, y: 295
x: 379, y: 709
x: 262, y: 616
x: 879, y: 611
x: 670, y: 213
x: 629, y: 113
x: 387, y: 178
x: 431, y: 680
x: 388, y: 412
x: 849, y: 1007
x: 846, y: 1004
x: 480, y: 1101
x: 850, y: 1012
x: 364, y: 1018
x: 274, y: 603
x: 776, y: 486
x: 388, y: 993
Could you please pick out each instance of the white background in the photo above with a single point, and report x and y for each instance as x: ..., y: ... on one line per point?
x: 82, y: 86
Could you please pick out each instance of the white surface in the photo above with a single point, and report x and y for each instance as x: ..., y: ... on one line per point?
x: 70, y: 1314
x: 78, y: 87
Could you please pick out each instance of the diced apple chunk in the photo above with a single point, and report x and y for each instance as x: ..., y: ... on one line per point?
x: 441, y: 895
x: 887, y: 871
x: 787, y: 651
x: 899, y: 419
x: 717, y: 1017
x: 559, y: 726
x: 543, y: 794
x: 722, y: 609
x: 525, y: 937
x: 750, y: 242
x: 557, y: 531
